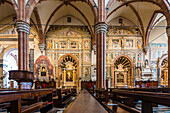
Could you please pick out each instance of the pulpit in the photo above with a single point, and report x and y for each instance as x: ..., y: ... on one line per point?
x: 24, y: 78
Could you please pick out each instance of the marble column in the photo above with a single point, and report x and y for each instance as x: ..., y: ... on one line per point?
x: 23, y: 29
x: 168, y: 34
x: 100, y: 30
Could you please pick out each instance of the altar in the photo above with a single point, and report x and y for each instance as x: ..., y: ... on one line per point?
x: 121, y: 76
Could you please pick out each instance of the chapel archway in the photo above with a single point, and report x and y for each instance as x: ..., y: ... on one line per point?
x: 68, y: 71
x: 43, y: 69
x: 122, y: 72
x: 163, y: 71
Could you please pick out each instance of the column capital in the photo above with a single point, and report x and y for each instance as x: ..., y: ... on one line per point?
x: 168, y: 31
x: 23, y: 27
x: 101, y: 27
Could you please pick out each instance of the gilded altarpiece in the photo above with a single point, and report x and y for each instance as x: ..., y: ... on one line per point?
x: 163, y: 70
x: 122, y: 41
x: 73, y: 42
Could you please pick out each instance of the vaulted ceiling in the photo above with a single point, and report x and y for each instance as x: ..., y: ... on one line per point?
x: 141, y: 13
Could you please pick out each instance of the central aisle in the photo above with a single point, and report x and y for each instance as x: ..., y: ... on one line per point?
x: 85, y: 103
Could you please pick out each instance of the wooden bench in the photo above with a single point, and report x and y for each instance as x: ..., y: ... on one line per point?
x: 15, y: 104
x: 149, y: 99
x: 62, y: 98
x: 102, y: 95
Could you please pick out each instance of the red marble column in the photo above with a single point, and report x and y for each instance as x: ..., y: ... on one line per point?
x: 168, y: 34
x: 100, y: 30
x: 23, y: 45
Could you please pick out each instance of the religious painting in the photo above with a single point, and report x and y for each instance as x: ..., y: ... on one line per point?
x: 121, y: 32
x: 86, y: 71
x: 67, y: 32
x: 73, y: 44
x: 120, y: 78
x: 86, y: 44
x: 69, y: 76
x: 129, y: 43
x: 115, y: 43
x: 63, y: 44
x: 43, y: 71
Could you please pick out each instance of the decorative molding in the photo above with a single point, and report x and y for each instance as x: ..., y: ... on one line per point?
x: 168, y: 31
x: 23, y: 27
x: 101, y: 27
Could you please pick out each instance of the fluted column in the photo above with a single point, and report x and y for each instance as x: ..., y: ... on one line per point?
x: 23, y: 29
x: 168, y: 34
x: 100, y: 30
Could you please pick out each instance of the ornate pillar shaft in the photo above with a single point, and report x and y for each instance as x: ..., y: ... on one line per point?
x: 168, y: 34
x: 100, y: 30
x: 23, y: 45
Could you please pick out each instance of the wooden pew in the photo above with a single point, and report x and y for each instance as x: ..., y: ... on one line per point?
x: 147, y: 98
x: 63, y: 97
x: 102, y: 95
x: 15, y: 97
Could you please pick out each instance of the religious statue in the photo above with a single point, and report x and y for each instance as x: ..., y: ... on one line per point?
x: 86, y: 57
x: 50, y: 44
x: 139, y: 44
x: 86, y: 44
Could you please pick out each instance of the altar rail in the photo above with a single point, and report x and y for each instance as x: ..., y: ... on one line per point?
x: 147, y: 98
